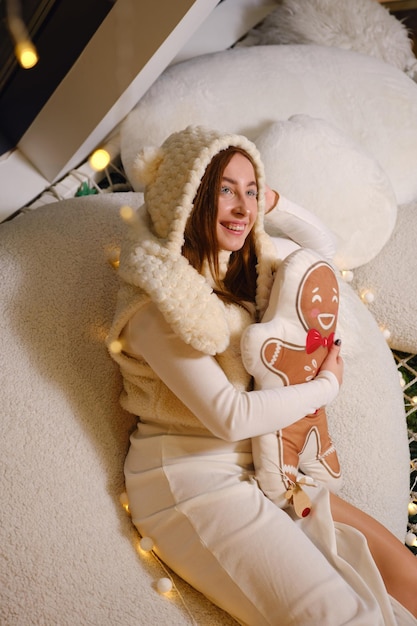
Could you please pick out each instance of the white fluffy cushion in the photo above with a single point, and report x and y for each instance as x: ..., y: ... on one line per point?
x: 244, y: 90
x: 361, y: 25
x: 68, y: 549
x: 317, y: 166
x: 391, y: 277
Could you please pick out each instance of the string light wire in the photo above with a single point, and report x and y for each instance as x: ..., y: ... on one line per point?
x: 174, y: 586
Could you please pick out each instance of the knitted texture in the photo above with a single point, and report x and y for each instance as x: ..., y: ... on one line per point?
x: 151, y: 256
x: 173, y: 173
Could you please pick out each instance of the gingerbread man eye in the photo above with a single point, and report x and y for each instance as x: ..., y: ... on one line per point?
x: 316, y: 298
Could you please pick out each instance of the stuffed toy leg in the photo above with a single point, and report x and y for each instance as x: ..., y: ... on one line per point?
x: 288, y: 347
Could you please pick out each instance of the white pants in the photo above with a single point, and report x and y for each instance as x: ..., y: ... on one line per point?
x: 197, y: 498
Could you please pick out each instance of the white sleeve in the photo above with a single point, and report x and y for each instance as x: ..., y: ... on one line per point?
x: 303, y: 227
x: 201, y: 384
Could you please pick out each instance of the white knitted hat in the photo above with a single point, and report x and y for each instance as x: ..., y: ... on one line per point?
x: 172, y: 173
x: 152, y: 259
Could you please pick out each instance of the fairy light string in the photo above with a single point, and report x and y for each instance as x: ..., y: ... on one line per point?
x: 166, y: 584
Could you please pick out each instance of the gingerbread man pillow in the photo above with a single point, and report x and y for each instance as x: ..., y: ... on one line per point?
x: 286, y: 348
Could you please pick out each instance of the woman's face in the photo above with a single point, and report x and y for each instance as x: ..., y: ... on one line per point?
x: 237, y: 204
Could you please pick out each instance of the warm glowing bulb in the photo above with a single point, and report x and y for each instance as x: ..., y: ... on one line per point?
x: 115, y: 347
x: 146, y: 544
x: 385, y: 332
x: 414, y: 400
x: 412, y: 509
x: 367, y: 296
x: 26, y: 54
x: 113, y: 257
x: 126, y: 213
x: 411, y: 539
x: 99, y: 160
x: 124, y: 501
x: 347, y: 275
x: 164, y: 585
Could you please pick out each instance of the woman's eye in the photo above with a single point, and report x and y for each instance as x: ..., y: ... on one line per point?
x: 226, y: 190
x: 253, y: 193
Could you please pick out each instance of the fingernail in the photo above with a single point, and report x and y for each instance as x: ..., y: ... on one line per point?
x: 337, y: 342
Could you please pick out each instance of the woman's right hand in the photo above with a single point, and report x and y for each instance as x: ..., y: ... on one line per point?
x: 334, y: 363
x: 271, y: 199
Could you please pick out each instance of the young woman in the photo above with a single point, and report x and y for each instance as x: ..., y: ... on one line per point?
x: 197, y: 267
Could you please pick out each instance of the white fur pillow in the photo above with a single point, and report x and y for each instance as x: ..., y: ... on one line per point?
x: 317, y: 166
x: 361, y: 25
x: 390, y: 276
x: 243, y: 90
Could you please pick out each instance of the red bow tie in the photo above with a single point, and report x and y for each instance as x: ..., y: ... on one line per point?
x: 315, y: 340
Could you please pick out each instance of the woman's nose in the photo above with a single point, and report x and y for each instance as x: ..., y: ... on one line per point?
x: 242, y: 206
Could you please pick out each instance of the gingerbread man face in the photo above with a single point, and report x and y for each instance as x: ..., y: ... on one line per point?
x: 318, y: 299
x: 299, y: 324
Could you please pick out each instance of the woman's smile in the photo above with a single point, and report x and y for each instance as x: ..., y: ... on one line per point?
x: 238, y: 228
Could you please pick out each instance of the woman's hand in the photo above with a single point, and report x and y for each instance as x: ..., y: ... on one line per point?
x: 271, y: 199
x: 334, y: 363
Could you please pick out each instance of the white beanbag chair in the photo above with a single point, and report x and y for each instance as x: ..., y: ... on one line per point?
x: 69, y: 551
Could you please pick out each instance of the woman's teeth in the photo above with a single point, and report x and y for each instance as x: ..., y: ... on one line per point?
x: 235, y: 227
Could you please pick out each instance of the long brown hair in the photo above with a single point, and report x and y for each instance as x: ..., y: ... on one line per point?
x: 200, y: 240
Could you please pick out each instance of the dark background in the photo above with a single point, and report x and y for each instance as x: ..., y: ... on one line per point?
x: 60, y: 29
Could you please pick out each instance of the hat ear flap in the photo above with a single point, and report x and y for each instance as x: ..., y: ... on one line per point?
x: 145, y: 166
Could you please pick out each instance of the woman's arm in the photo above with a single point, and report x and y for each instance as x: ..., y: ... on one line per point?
x: 300, y: 225
x: 200, y: 383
